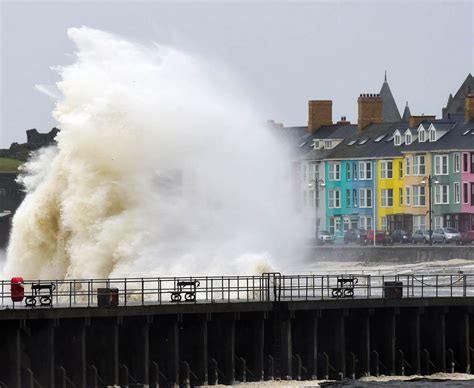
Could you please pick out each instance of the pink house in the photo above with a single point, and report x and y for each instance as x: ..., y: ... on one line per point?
x: 467, y: 188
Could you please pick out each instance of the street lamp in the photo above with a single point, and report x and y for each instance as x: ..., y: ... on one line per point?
x: 430, y: 180
x: 316, y: 184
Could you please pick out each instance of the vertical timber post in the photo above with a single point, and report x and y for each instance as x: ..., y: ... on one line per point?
x: 229, y: 349
x: 340, y: 343
x: 286, y: 351
x: 41, y: 344
x: 202, y: 350
x: 365, y: 343
x: 440, y: 343
x: 391, y: 340
x: 173, y: 353
x: 313, y: 339
x: 79, y: 375
x: 10, y: 353
x: 415, y: 341
x: 259, y: 344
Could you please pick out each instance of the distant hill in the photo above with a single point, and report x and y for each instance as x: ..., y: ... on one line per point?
x: 9, y: 165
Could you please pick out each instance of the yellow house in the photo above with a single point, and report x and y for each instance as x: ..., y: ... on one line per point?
x: 417, y: 166
x: 391, y: 194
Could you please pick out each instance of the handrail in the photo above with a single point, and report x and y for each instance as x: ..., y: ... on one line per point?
x: 269, y: 287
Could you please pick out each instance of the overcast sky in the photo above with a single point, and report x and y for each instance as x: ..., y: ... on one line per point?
x: 284, y: 53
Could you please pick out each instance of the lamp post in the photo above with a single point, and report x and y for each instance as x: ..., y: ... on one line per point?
x: 316, y: 184
x: 430, y: 180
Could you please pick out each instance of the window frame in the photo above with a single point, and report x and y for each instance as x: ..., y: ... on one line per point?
x: 365, y: 196
x: 384, y: 170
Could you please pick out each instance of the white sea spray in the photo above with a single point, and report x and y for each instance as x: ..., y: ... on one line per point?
x: 161, y: 168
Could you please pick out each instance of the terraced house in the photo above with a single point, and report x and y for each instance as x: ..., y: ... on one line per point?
x: 377, y: 173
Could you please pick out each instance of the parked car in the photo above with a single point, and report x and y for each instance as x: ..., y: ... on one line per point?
x: 467, y: 237
x: 446, y: 235
x: 381, y: 237
x: 421, y: 236
x: 355, y: 235
x: 401, y: 235
x: 325, y: 237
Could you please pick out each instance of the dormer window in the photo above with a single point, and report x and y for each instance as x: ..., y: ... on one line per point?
x: 432, y: 134
x: 397, y: 139
x: 317, y: 144
x: 422, y: 135
x: 408, y: 138
x: 328, y: 144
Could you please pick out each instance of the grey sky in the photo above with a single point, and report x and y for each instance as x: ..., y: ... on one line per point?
x: 283, y: 52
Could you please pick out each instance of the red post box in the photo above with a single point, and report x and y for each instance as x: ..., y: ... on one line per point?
x: 17, y: 290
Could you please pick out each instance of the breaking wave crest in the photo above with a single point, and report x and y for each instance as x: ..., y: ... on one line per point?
x: 161, y: 168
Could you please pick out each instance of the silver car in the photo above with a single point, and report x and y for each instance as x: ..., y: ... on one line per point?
x: 325, y: 237
x: 421, y: 236
x: 446, y: 235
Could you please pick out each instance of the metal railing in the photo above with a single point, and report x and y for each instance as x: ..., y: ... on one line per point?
x: 270, y: 287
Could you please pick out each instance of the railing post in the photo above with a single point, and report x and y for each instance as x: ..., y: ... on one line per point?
x: 92, y: 378
x: 214, y: 371
x: 451, y: 359
x: 326, y: 365
x: 271, y: 368
x: 243, y: 366
x: 352, y: 358
x: 186, y: 375
x: 297, y: 367
x: 123, y: 377
x: 376, y: 362
x: 30, y: 378
x: 155, y: 375
x: 61, y: 377
x: 143, y: 292
x: 426, y: 356
x: 401, y: 356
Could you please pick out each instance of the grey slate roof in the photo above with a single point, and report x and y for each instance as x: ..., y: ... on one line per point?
x: 406, y: 113
x: 390, y: 110
x: 304, y: 143
x: 455, y: 105
x: 452, y: 140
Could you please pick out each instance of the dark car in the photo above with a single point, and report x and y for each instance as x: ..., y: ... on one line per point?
x: 467, y: 237
x: 355, y: 235
x: 381, y: 237
x: 421, y: 236
x: 401, y: 235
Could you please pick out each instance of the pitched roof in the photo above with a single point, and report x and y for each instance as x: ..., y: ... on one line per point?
x: 455, y: 105
x: 406, y: 113
x: 390, y: 110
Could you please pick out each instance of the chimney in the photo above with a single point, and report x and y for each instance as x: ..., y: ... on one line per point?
x: 415, y: 121
x: 370, y: 110
x: 319, y: 114
x: 469, y: 108
x: 343, y: 120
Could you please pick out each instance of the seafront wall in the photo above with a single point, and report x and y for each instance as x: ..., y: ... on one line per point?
x: 393, y: 254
